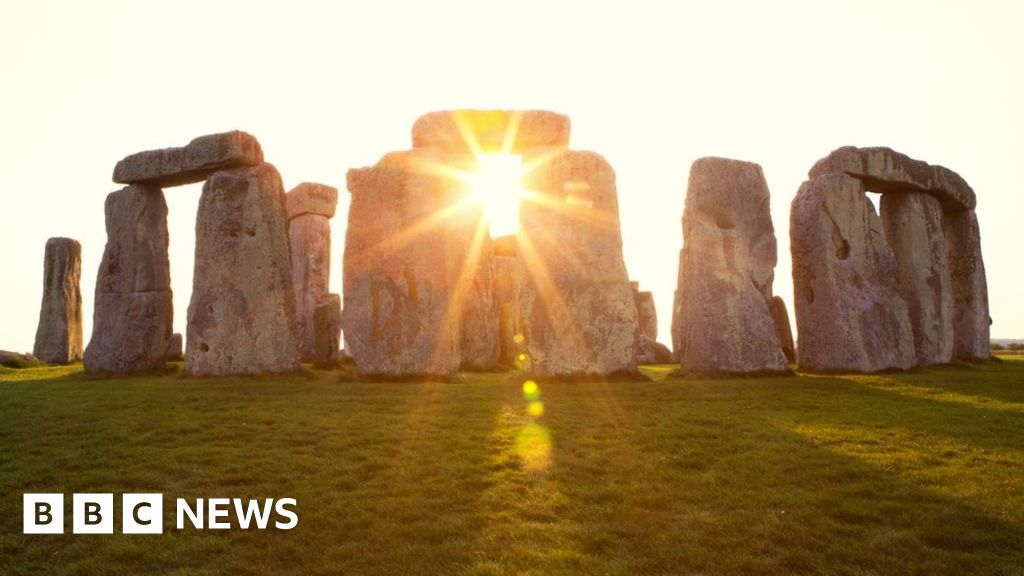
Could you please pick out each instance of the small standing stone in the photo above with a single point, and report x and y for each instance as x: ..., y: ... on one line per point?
x: 176, y: 348
x: 327, y: 327
x: 310, y: 207
x: 780, y: 317
x: 59, y: 334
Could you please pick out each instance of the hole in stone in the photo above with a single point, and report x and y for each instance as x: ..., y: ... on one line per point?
x: 810, y: 295
x: 843, y: 251
x: 204, y: 347
x: 876, y: 201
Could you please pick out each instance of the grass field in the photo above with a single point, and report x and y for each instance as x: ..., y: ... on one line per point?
x: 919, y: 473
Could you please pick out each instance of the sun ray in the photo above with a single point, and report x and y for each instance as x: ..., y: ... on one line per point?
x: 511, y: 132
x: 547, y: 289
x: 454, y: 310
x: 462, y: 122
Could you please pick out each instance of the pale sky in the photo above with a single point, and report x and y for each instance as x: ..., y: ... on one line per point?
x: 327, y: 86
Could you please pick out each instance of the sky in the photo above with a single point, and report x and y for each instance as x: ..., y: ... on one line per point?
x: 652, y: 86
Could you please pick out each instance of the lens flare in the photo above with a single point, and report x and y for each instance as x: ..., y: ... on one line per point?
x: 530, y: 390
x: 535, y: 408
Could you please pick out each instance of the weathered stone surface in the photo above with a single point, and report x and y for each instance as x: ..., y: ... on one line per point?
x: 398, y: 268
x: 849, y: 314
x: 578, y: 313
x: 192, y: 163
x: 780, y: 317
x: 310, y: 238
x: 133, y: 317
x: 18, y: 360
x: 448, y: 130
x: 913, y: 227
x: 652, y: 352
x: 727, y: 269
x: 647, y: 316
x: 970, y: 289
x: 59, y: 333
x: 885, y: 170
x: 312, y: 198
x: 241, y: 319
x: 327, y: 327
x: 176, y: 348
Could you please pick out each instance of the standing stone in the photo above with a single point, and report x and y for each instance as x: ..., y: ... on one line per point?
x: 310, y: 207
x: 59, y: 334
x: 849, y: 314
x: 970, y: 290
x: 327, y: 329
x: 780, y: 317
x: 727, y: 270
x: 176, y: 348
x: 913, y: 226
x: 397, y: 271
x: 241, y: 319
x: 132, y: 321
x: 647, y: 316
x: 579, y: 316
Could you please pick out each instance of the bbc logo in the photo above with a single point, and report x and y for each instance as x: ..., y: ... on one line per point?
x: 93, y: 513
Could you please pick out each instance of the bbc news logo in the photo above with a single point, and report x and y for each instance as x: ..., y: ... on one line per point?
x: 144, y: 513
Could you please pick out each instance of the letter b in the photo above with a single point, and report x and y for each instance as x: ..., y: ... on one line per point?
x: 92, y: 514
x: 43, y: 514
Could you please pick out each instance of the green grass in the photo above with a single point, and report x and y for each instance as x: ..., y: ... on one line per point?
x: 919, y: 473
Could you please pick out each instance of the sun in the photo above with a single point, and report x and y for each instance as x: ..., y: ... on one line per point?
x: 497, y: 185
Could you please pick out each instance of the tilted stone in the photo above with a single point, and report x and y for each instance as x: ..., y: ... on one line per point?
x: 241, y: 319
x: 312, y: 198
x: 913, y: 226
x: 884, y: 170
x: 194, y: 162
x: 780, y: 316
x: 971, y: 319
x: 578, y: 313
x: 133, y: 316
x: 327, y: 329
x: 398, y: 269
x: 59, y: 333
x: 849, y: 314
x: 492, y: 131
x: 727, y: 269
